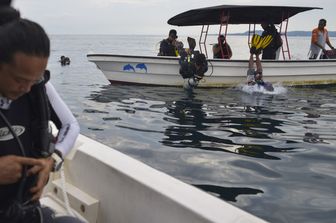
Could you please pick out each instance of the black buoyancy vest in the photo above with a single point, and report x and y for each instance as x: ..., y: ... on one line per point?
x: 40, y: 129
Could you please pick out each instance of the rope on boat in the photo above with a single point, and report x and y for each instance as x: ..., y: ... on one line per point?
x: 212, y: 68
x: 65, y: 195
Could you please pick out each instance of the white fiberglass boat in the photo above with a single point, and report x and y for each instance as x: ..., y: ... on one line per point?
x: 158, y: 70
x: 102, y: 185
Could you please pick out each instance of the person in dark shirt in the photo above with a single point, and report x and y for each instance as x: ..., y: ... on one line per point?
x: 270, y: 51
x: 222, y: 49
x: 168, y: 46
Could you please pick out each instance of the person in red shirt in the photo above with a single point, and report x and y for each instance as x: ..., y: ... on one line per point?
x: 222, y: 49
x: 319, y: 39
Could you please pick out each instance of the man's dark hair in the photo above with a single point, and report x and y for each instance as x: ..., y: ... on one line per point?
x: 323, y: 21
x: 172, y: 32
x: 25, y: 36
x: 8, y: 14
x: 5, y: 2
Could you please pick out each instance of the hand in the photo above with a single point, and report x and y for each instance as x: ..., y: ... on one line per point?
x: 252, y: 50
x: 11, y: 168
x: 43, y: 172
x: 258, y: 52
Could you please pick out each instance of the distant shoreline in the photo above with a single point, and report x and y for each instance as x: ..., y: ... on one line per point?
x: 290, y: 33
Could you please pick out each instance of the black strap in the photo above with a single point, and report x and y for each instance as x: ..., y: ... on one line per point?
x: 40, y: 104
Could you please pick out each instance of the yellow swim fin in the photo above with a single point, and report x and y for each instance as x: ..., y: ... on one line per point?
x: 255, y: 40
x: 266, y: 41
x: 258, y: 46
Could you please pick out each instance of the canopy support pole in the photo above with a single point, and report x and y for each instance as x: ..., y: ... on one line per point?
x: 283, y: 34
x: 224, y: 21
x: 202, y: 40
x: 249, y: 34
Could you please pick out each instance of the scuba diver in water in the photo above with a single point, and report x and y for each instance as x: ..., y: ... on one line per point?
x: 193, y: 65
x: 64, y: 60
x: 255, y: 76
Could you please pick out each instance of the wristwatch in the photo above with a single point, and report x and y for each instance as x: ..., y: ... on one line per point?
x: 58, y: 160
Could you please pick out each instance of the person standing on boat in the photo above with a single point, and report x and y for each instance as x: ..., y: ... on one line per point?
x: 168, y: 46
x: 26, y: 157
x: 222, y: 49
x: 319, y: 39
x: 270, y: 51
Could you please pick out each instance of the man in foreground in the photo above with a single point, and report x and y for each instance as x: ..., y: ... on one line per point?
x: 25, y: 156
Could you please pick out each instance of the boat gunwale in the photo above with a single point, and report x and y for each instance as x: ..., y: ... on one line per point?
x: 211, y: 60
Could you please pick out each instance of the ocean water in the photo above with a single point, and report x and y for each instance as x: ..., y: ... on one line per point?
x: 273, y: 155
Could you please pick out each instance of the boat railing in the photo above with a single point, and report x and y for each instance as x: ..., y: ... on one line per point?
x: 203, y: 38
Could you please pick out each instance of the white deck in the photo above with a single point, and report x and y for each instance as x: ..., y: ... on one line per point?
x: 106, y: 186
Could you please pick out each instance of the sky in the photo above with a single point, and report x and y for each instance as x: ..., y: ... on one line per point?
x: 149, y: 17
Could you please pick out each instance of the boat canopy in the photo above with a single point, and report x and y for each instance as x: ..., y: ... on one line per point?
x: 236, y: 14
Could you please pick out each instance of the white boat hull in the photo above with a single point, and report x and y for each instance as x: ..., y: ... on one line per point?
x: 164, y: 71
x: 104, y: 186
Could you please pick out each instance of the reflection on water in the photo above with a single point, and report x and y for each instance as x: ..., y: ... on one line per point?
x: 271, y: 154
x: 195, y: 125
x: 228, y: 193
x: 262, y: 152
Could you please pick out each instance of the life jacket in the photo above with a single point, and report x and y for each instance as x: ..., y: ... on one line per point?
x: 37, y: 105
x: 41, y: 116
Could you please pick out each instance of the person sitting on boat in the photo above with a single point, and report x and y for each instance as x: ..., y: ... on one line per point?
x: 222, y: 49
x: 168, y: 46
x: 256, y: 76
x: 270, y: 51
x: 319, y: 39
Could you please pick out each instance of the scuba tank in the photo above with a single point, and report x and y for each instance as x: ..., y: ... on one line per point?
x: 190, y: 83
x: 192, y: 68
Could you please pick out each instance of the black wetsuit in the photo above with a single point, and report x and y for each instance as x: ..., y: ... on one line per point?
x: 167, y: 48
x: 25, y: 117
x: 29, y: 116
x: 19, y: 115
x: 188, y: 65
x: 270, y: 51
